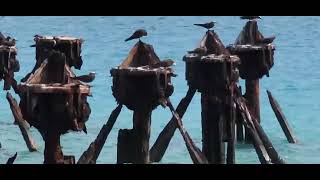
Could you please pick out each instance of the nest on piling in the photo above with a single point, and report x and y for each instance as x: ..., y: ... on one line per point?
x: 256, y: 57
x: 51, y: 97
x: 138, y: 82
x: 214, y: 71
x: 70, y: 46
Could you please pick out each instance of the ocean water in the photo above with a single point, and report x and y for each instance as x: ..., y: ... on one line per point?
x: 294, y: 81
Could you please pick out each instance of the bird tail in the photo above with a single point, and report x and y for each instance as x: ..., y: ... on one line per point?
x: 85, y: 129
x: 130, y: 38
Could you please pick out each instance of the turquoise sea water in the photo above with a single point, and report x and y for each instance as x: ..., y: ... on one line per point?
x: 294, y: 80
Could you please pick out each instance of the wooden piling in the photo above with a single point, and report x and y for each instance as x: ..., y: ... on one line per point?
x: 52, y: 100
x: 24, y: 127
x: 281, y: 119
x: 126, y: 147
x: 141, y: 87
x: 253, y: 102
x: 231, y: 119
x: 239, y: 125
x: 141, y: 127
x: 52, y: 151
x: 91, y: 155
x: 212, y: 133
x: 256, y: 61
x: 252, y: 96
x: 161, y: 144
x: 133, y: 144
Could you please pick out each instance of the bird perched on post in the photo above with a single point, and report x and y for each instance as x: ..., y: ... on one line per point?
x: 8, y: 41
x: 267, y: 40
x: 201, y: 51
x: 250, y: 17
x: 86, y: 78
x: 164, y: 63
x: 11, y: 160
x: 137, y: 34
x: 37, y: 36
x: 208, y: 25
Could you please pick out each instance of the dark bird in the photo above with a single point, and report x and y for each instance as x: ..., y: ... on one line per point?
x: 9, y: 43
x: 8, y: 38
x: 137, y: 34
x: 37, y: 36
x: 11, y: 160
x: 208, y: 25
x: 86, y: 78
x: 85, y: 129
x: 201, y: 51
x: 267, y: 40
x: 250, y: 17
x: 164, y: 63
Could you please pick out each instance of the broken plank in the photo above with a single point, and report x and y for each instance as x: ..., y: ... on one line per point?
x: 22, y: 123
x: 160, y: 146
x: 281, y: 119
x: 195, y: 153
x: 92, y: 153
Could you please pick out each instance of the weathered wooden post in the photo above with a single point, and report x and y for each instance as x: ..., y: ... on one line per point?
x: 23, y: 125
x: 214, y: 74
x: 256, y: 55
x: 281, y: 119
x: 91, y: 155
x: 8, y: 61
x: 8, y: 65
x: 53, y: 100
x: 70, y: 46
x: 141, y: 86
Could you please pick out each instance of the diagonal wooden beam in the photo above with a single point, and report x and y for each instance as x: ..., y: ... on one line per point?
x: 16, y: 111
x: 160, y: 146
x: 282, y: 119
x: 92, y: 153
x: 195, y: 153
x: 257, y: 142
